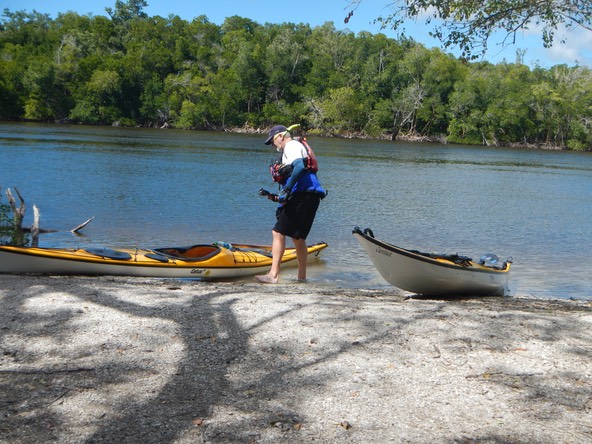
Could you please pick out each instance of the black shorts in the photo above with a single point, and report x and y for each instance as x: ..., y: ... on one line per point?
x: 295, y: 218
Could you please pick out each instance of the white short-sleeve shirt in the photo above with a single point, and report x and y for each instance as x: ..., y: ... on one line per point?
x: 293, y: 150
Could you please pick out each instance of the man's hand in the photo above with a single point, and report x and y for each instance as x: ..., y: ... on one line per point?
x: 270, y: 196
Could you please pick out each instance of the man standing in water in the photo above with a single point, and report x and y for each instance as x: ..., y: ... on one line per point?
x: 299, y: 200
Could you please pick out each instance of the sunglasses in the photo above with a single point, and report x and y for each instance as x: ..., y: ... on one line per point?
x: 278, y: 134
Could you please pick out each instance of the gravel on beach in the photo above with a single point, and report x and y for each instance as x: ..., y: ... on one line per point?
x: 134, y: 360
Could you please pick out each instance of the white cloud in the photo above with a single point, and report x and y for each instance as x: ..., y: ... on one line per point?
x: 570, y: 46
x: 575, y: 49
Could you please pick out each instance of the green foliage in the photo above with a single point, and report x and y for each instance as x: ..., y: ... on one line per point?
x: 278, y: 111
x: 343, y: 111
x: 127, y: 11
x: 131, y: 69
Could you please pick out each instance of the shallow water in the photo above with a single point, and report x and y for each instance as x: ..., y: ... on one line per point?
x: 154, y: 188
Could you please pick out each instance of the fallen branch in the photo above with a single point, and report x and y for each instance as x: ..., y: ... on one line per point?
x: 81, y: 226
x: 19, y: 214
x: 50, y: 230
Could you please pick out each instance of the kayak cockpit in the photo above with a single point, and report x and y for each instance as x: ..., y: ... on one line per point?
x: 194, y: 253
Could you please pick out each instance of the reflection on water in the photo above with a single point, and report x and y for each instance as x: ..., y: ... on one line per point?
x: 157, y: 188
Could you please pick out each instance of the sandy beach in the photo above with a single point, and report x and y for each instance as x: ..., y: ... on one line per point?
x: 117, y: 360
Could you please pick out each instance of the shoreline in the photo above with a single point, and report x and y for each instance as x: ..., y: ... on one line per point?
x: 247, y: 129
x: 152, y: 360
x: 410, y: 138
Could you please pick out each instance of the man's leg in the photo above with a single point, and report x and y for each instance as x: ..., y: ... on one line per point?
x: 302, y: 255
x: 278, y: 247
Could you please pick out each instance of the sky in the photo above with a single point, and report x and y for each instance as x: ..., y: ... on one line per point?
x: 576, y: 50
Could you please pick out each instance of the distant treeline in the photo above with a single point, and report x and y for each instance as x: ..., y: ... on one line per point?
x: 127, y: 68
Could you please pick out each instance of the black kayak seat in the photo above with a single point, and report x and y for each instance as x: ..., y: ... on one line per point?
x: 157, y: 257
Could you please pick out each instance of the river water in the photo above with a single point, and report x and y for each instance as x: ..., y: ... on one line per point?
x: 155, y: 188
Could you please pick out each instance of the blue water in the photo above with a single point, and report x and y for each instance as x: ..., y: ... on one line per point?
x: 154, y: 188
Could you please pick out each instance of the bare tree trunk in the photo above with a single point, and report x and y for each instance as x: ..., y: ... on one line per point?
x: 396, y: 125
x: 18, y: 213
x: 35, y: 227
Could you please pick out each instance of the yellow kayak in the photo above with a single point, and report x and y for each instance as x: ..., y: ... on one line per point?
x: 204, y: 261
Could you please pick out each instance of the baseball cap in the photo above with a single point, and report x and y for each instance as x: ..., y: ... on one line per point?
x: 273, y: 131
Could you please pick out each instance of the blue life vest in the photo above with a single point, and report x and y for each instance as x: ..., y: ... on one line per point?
x: 309, y: 182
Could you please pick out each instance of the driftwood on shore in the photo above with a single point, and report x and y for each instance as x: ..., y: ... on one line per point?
x: 18, y: 213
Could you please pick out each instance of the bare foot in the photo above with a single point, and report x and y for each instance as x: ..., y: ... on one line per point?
x: 267, y: 279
